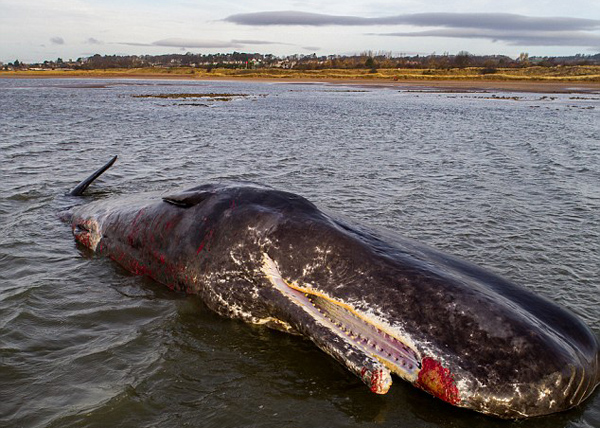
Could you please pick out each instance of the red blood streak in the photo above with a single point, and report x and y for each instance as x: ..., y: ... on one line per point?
x: 205, y: 241
x: 134, y: 228
x: 373, y: 379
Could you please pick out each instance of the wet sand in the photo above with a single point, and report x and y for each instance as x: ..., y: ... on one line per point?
x: 492, y: 86
x: 476, y: 86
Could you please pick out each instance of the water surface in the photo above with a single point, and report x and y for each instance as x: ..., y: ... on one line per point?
x: 508, y: 181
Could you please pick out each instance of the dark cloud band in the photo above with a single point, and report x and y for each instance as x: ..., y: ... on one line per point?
x: 493, y: 21
x: 191, y: 43
x: 507, y: 27
x: 176, y: 42
x: 515, y: 38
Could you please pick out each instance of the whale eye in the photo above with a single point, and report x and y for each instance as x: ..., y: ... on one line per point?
x: 82, y: 228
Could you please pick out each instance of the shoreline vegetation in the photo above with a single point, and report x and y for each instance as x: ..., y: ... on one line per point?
x: 575, y: 78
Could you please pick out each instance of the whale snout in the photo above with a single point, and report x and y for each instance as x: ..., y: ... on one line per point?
x: 553, y: 393
x: 557, y: 379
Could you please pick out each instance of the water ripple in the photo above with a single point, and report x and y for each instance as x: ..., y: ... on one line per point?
x: 83, y: 343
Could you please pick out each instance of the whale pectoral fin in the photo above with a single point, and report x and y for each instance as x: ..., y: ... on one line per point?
x: 187, y: 199
x: 78, y: 191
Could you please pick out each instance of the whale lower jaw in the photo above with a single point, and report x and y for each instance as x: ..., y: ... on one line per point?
x: 369, y: 349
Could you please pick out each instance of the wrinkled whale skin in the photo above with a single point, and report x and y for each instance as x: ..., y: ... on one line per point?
x: 452, y: 329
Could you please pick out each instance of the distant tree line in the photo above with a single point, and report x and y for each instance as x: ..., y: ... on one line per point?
x: 370, y: 60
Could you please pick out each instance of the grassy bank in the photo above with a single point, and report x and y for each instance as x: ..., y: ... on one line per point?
x: 582, y: 74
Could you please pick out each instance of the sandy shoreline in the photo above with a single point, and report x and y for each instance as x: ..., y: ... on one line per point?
x: 480, y: 86
x: 438, y: 85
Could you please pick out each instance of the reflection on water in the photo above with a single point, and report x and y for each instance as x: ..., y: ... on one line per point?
x: 508, y: 181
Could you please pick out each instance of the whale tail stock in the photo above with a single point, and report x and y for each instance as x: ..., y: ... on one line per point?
x: 81, y: 187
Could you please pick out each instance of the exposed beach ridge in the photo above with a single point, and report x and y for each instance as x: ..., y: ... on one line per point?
x: 540, y: 81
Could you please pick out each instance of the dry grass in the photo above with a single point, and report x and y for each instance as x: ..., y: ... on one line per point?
x: 583, y: 74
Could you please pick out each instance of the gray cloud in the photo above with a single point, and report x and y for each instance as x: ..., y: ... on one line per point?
x: 93, y: 41
x: 295, y: 18
x: 57, y: 40
x: 133, y: 44
x: 494, y: 21
x: 259, y: 42
x: 518, y: 38
x: 176, y: 42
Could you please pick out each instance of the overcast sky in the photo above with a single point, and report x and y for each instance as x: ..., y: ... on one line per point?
x: 36, y: 30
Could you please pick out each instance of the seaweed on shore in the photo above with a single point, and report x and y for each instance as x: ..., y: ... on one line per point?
x: 211, y: 95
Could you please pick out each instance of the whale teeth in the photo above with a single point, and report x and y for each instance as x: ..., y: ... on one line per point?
x: 374, y: 341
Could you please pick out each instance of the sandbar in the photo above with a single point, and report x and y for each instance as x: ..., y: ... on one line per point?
x: 425, y: 85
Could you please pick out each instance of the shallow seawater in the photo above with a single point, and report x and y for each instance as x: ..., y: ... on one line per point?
x: 508, y: 181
